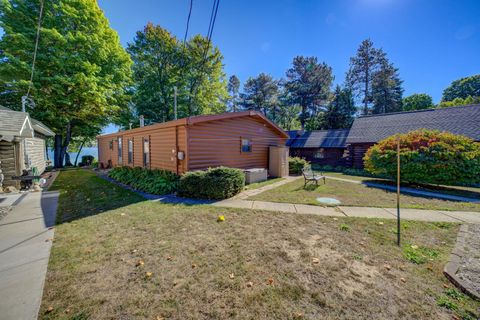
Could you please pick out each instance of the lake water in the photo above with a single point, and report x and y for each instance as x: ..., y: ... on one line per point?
x: 86, y: 151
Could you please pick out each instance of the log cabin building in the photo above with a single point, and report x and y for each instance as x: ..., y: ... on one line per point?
x: 236, y: 139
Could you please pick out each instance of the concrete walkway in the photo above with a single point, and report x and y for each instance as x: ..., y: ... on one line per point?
x: 26, y: 235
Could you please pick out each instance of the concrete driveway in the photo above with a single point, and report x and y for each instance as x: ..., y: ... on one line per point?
x: 25, y: 241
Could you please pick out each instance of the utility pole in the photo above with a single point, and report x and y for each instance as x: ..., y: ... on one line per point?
x: 175, y: 102
x: 398, y: 190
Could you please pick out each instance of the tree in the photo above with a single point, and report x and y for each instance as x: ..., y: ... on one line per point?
x: 81, y: 70
x: 427, y: 156
x: 463, y: 88
x: 233, y: 89
x: 341, y: 110
x: 458, y: 102
x: 162, y: 62
x: 417, y: 101
x: 260, y: 93
x: 363, y: 67
x: 308, y: 84
x: 387, y: 89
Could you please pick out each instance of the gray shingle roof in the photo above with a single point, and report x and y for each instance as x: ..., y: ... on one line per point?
x: 463, y: 120
x: 12, y: 122
x: 320, y: 139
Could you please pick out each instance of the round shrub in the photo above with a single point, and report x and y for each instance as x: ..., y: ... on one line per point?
x: 296, y: 165
x: 215, y: 183
x: 427, y: 156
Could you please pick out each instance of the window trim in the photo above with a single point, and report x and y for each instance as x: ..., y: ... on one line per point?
x: 130, y: 151
x: 146, y: 156
x: 120, y: 149
x: 250, y: 144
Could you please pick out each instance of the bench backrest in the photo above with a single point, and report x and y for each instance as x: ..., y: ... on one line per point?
x: 308, y: 172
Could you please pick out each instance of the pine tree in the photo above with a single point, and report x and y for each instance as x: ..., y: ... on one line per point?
x: 81, y: 70
x: 260, y: 94
x: 363, y: 66
x: 387, y: 89
x: 233, y: 89
x: 308, y: 84
x: 340, y: 112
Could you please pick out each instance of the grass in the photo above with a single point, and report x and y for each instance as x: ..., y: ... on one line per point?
x: 351, y: 194
x: 263, y: 183
x: 146, y: 260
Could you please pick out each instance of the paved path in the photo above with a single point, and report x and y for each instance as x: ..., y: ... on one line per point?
x: 25, y: 242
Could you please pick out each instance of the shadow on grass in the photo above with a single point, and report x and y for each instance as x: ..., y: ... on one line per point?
x: 82, y: 193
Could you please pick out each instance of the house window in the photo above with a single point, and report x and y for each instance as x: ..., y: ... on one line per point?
x: 246, y: 145
x: 120, y: 150
x: 130, y: 151
x: 146, y: 152
x: 320, y: 154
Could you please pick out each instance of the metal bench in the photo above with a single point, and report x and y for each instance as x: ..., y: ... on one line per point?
x: 310, y: 176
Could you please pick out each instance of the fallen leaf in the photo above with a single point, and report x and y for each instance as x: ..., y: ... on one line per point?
x: 194, y: 265
x: 231, y: 275
x: 298, y: 315
x: 414, y: 246
x: 67, y: 310
x: 387, y: 266
x: 316, y: 260
x: 335, y: 219
x: 160, y: 318
x: 445, y: 286
x: 140, y: 263
x: 148, y: 274
x: 403, y: 280
x: 380, y: 223
x: 270, y: 281
x: 122, y: 214
x: 221, y: 218
x: 169, y: 258
x: 134, y: 250
x: 249, y: 284
x: 49, y: 309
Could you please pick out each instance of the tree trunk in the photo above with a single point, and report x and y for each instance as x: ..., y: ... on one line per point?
x: 68, y: 162
x: 79, y: 151
x: 66, y: 142
x: 57, y: 151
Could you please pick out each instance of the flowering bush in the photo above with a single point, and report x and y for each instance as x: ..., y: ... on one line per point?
x: 427, y: 156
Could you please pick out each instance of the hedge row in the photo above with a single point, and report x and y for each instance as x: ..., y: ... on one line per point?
x: 151, y: 181
x: 215, y: 183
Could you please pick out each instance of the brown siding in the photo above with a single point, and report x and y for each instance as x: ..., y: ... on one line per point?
x: 357, y: 152
x: 217, y: 143
x: 332, y: 156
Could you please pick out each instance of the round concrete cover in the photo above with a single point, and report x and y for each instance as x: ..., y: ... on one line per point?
x: 329, y: 201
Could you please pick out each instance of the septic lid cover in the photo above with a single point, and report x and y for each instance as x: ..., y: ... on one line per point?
x: 328, y: 201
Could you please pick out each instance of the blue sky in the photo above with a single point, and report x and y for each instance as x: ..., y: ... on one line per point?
x: 431, y: 42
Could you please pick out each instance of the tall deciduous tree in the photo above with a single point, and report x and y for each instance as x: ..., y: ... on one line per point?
x: 81, y: 70
x: 341, y: 110
x: 360, y: 75
x: 162, y: 62
x: 387, y: 89
x: 233, y: 90
x: 417, y: 101
x: 308, y: 84
x: 463, y: 88
x: 260, y: 93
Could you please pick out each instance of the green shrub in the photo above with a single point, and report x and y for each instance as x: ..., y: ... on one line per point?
x: 296, y: 165
x: 215, y: 183
x: 427, y: 157
x: 419, y: 255
x: 150, y: 181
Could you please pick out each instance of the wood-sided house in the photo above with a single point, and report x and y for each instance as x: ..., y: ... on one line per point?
x: 325, y: 147
x: 22, y: 145
x: 237, y: 139
x: 368, y: 130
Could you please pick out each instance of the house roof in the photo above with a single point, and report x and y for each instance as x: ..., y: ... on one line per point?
x: 464, y: 120
x: 319, y: 139
x: 204, y: 118
x: 19, y: 124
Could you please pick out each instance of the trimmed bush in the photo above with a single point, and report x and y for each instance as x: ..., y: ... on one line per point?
x: 296, y: 165
x: 150, y: 181
x: 427, y: 156
x: 215, y: 183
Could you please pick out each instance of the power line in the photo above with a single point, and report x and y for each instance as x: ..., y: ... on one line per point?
x: 188, y: 23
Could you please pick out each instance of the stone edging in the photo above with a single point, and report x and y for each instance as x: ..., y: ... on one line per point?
x: 453, y: 264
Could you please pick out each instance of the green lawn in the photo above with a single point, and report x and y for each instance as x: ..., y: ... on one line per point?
x: 352, y: 194
x: 124, y: 258
x: 263, y: 183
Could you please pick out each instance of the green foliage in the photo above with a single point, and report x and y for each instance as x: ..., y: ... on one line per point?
x: 81, y: 70
x: 260, y: 94
x: 387, y: 88
x: 308, y: 85
x: 427, y: 157
x: 419, y: 255
x: 233, y: 89
x: 458, y: 102
x: 150, y: 181
x: 162, y: 62
x: 445, y: 302
x: 214, y: 183
x: 296, y: 165
x: 454, y: 293
x: 344, y: 227
x: 417, y: 101
x: 463, y: 88
x: 341, y: 110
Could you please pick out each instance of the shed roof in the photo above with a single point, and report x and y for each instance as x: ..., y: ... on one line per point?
x: 463, y: 120
x: 204, y: 118
x: 19, y: 124
x: 334, y: 138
